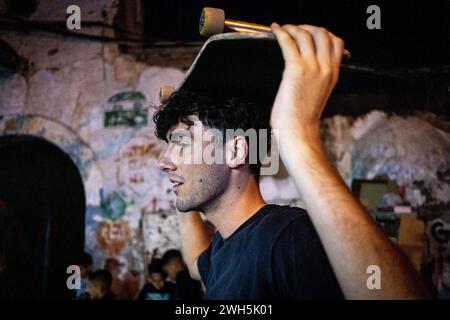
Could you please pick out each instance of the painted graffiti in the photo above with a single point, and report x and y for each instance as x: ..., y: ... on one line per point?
x: 113, y: 231
x: 126, y: 109
x: 137, y: 163
x: 114, y: 205
x: 112, y: 237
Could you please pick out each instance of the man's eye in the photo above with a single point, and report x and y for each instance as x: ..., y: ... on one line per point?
x: 184, y: 141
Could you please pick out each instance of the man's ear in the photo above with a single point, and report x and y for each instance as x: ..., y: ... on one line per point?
x: 236, y: 151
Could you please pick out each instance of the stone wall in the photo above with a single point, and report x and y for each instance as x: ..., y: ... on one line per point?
x: 96, y: 104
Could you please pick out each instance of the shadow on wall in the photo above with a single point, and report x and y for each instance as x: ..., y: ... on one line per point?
x: 42, y: 220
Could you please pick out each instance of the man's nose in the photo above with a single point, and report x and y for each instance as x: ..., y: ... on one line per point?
x: 164, y: 162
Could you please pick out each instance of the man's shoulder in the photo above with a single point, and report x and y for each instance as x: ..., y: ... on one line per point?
x: 275, y: 208
x: 275, y: 219
x: 283, y: 214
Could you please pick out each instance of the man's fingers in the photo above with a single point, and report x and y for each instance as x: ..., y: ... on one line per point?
x: 305, y: 43
x: 322, y: 43
x: 338, y: 51
x: 289, y: 49
x: 310, y: 45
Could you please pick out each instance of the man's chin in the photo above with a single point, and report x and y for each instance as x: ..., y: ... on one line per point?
x: 182, y: 206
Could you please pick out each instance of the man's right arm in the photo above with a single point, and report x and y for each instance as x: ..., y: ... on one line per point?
x: 351, y: 238
x: 195, y: 240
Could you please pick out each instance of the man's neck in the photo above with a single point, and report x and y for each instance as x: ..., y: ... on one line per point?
x: 241, y: 201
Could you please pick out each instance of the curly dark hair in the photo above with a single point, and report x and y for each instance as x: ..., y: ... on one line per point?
x: 156, y: 267
x: 215, y: 111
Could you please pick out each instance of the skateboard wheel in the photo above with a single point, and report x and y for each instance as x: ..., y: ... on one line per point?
x: 212, y: 21
x: 164, y: 93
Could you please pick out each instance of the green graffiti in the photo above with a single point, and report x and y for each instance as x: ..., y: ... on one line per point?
x: 126, y: 96
x: 131, y: 118
x: 115, y: 205
x: 126, y: 109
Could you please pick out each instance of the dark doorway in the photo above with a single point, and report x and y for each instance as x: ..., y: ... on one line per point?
x: 44, y: 196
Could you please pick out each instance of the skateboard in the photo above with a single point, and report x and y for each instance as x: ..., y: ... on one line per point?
x: 246, y: 62
x: 212, y: 21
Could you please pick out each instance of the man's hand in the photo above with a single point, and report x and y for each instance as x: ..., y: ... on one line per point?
x: 312, y: 58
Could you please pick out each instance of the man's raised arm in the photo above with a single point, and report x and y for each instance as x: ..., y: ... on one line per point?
x: 352, y: 240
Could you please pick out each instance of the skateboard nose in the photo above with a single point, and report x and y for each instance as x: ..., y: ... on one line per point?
x: 164, y: 93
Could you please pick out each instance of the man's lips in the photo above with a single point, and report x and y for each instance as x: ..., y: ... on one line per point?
x: 175, y: 187
x: 177, y: 182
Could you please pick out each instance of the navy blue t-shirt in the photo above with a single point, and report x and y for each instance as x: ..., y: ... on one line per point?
x: 275, y: 254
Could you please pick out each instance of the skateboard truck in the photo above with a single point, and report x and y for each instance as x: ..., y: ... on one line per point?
x: 212, y: 21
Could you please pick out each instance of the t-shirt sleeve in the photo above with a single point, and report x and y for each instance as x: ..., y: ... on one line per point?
x: 301, y: 266
x: 203, y: 263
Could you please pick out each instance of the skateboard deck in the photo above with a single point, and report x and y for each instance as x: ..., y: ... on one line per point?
x: 247, y: 65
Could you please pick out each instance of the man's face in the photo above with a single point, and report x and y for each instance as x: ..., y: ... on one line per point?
x: 174, y: 266
x: 196, y: 184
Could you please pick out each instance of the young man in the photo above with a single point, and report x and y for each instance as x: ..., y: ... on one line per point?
x: 156, y: 287
x: 264, y: 251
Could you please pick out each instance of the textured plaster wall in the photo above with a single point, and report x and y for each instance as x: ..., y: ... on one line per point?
x: 64, y: 98
x: 414, y: 151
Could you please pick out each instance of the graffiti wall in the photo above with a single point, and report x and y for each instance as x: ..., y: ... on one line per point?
x: 133, y: 186
x: 96, y: 104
